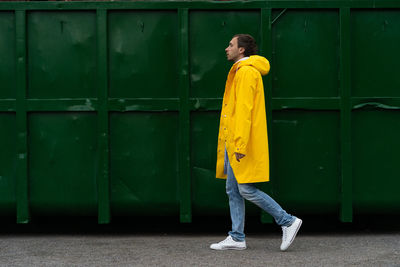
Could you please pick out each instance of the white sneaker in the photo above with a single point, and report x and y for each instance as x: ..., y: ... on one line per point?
x: 229, y: 243
x: 289, y: 233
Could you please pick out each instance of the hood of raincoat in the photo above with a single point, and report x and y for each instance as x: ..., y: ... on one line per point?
x: 258, y: 62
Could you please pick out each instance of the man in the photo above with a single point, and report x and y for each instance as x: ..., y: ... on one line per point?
x: 242, y: 156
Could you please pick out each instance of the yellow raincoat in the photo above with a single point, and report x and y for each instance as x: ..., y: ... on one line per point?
x: 243, y: 122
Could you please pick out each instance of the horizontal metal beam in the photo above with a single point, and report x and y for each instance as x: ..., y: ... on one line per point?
x: 322, y: 103
x: 8, y: 105
x: 87, y: 104
x: 144, y: 104
x: 195, y: 104
x: 196, y: 5
x: 375, y: 102
x: 310, y: 103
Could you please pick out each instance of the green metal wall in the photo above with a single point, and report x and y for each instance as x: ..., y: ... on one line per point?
x: 111, y: 109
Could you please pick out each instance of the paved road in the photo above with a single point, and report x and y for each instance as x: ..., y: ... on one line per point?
x: 364, y: 248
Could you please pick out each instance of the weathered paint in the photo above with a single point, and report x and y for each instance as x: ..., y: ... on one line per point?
x: 305, y: 156
x: 375, y: 142
x: 307, y: 65
x: 374, y: 49
x: 7, y: 48
x: 111, y: 109
x: 139, y: 41
x: 144, y: 163
x: 62, y: 163
x: 8, y: 161
x: 61, y: 54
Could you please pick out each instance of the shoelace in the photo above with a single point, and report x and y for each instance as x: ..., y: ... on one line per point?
x: 284, y: 231
x: 225, y: 241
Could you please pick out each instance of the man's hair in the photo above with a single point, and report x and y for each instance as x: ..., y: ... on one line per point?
x: 248, y: 43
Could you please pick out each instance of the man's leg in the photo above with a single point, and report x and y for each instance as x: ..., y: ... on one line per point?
x: 235, y: 239
x: 265, y: 202
x: 236, y: 206
x: 290, y: 224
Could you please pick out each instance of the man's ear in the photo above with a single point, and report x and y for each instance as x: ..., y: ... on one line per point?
x: 241, y: 50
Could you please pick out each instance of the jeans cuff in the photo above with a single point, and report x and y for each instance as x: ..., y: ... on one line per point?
x: 236, y: 239
x: 292, y: 221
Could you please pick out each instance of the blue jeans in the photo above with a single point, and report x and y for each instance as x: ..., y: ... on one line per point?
x: 238, y: 192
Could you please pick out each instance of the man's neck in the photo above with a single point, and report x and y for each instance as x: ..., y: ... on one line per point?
x: 240, y: 59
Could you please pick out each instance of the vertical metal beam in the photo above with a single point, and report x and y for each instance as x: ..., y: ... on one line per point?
x: 266, y: 50
x: 184, y: 119
x: 103, y: 124
x: 21, y: 119
x: 346, y: 207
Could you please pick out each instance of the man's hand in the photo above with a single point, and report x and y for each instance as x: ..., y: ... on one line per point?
x: 239, y: 156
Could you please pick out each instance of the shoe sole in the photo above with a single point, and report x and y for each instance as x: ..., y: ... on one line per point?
x: 295, y: 234
x: 229, y: 248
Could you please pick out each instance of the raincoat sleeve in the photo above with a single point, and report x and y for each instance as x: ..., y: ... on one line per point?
x: 246, y: 86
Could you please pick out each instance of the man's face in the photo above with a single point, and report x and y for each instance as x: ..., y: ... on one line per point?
x: 233, y: 52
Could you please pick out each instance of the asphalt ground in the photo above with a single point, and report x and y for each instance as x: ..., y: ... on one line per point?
x: 167, y: 243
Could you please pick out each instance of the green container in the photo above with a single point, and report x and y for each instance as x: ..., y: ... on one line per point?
x: 111, y: 109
